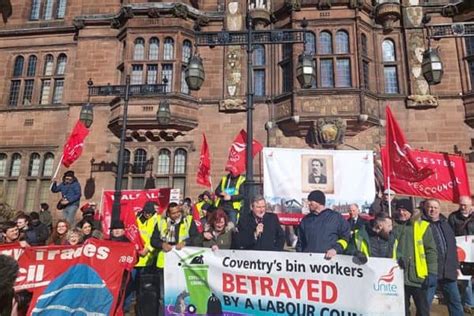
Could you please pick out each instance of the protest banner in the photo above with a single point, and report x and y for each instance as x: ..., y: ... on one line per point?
x: 203, y: 281
x: 132, y: 202
x: 448, y: 182
x: 83, y: 279
x: 465, y: 250
x: 345, y: 176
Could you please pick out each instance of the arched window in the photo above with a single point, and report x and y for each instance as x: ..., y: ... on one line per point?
x: 154, y: 48
x: 168, y: 52
x: 139, y: 162
x: 180, y: 161
x: 48, y: 65
x: 35, y: 9
x: 310, y: 43
x: 388, y: 51
x: 18, y: 67
x: 61, y: 65
x: 3, y: 165
x: 389, y: 67
x: 15, y: 165
x: 259, y: 70
x: 48, y: 165
x: 48, y: 9
x: 61, y: 9
x: 342, y: 42
x: 139, y: 49
x: 187, y: 50
x: 34, y: 165
x: 325, y: 42
x: 31, y: 70
x: 164, y: 158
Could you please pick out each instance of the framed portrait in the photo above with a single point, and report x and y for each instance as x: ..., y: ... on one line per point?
x: 317, y: 173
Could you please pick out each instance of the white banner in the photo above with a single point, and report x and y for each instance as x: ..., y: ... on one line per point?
x: 465, y: 249
x: 200, y: 281
x: 346, y: 176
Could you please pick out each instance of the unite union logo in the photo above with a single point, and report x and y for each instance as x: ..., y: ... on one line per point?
x: 384, y: 284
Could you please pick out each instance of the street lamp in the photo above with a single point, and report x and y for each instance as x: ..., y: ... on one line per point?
x: 87, y: 112
x: 125, y: 92
x: 432, y: 66
x: 194, y: 74
x: 306, y: 70
x: 163, y: 115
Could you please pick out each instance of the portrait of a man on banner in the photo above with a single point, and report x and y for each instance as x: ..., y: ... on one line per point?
x: 317, y: 173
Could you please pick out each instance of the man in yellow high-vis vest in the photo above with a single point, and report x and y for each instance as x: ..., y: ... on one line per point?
x: 230, y: 195
x: 417, y: 255
x: 173, y: 230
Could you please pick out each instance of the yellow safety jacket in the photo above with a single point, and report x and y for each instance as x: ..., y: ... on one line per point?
x: 362, y: 245
x: 236, y: 204
x: 162, y: 227
x: 146, y: 230
x: 419, y: 229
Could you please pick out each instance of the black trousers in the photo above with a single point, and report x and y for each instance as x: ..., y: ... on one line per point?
x: 420, y: 299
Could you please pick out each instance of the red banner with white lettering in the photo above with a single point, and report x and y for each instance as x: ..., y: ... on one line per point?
x: 237, y: 153
x: 73, y: 279
x: 204, y: 169
x: 131, y: 203
x: 448, y: 182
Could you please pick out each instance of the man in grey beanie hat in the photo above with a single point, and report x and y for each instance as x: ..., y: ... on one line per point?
x: 322, y: 230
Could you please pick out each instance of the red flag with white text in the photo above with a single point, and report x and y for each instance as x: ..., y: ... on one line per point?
x: 204, y: 169
x: 237, y: 153
x: 400, y: 163
x: 75, y: 143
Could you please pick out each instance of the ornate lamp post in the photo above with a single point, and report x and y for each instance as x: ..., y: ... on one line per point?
x: 432, y: 66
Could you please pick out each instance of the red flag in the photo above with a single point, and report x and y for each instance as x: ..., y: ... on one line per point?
x: 204, y: 169
x: 401, y: 164
x: 237, y: 153
x: 73, y: 147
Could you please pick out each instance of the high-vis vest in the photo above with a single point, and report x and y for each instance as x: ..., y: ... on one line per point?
x: 419, y: 229
x: 146, y: 230
x: 183, y: 235
x: 236, y: 204
x: 362, y: 245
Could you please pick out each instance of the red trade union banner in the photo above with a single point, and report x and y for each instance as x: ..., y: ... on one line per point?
x: 204, y: 169
x: 448, y: 182
x: 75, y: 143
x: 131, y: 203
x: 237, y: 153
x: 84, y: 278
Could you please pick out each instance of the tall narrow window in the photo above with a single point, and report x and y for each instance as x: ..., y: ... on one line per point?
x: 28, y: 92
x: 168, y: 52
x: 365, y: 61
x: 180, y: 161
x: 14, y: 92
x: 18, y: 68
x: 390, y: 67
x: 3, y: 165
x: 343, y: 73
x: 259, y: 70
x: 342, y: 42
x: 167, y: 73
x: 31, y: 70
x: 45, y: 91
x: 187, y: 50
x: 469, y: 41
x: 137, y: 74
x: 58, y: 91
x: 139, y: 162
x: 310, y: 43
x: 164, y: 158
x: 61, y: 65
x: 366, y: 70
x: 34, y: 165
x: 285, y: 64
x: 154, y: 48
x: 48, y: 165
x: 48, y: 9
x: 15, y: 165
x: 151, y: 74
x: 327, y: 73
x: 184, y: 84
x: 30, y: 193
x: 35, y: 9
x: 61, y: 9
x: 48, y: 65
x: 363, y: 44
x: 325, y: 43
x: 139, y: 49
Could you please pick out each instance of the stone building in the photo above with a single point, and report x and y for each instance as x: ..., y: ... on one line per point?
x: 367, y: 53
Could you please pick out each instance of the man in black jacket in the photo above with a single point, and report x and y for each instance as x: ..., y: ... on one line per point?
x: 322, y: 230
x: 259, y: 230
x: 447, y: 258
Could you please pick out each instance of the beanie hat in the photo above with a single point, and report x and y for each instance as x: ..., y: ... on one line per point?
x: 117, y: 225
x: 405, y: 204
x: 149, y: 208
x: 317, y: 196
x: 69, y: 173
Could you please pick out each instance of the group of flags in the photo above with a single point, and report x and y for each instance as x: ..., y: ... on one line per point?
x: 402, y: 165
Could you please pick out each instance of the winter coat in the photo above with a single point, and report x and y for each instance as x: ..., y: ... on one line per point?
x: 461, y: 225
x: 272, y: 238
x: 70, y: 191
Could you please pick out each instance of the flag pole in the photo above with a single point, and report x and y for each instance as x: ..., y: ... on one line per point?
x: 57, y: 170
x: 389, y: 197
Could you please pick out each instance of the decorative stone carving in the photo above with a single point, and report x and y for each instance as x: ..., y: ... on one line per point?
x: 293, y: 5
x: 328, y: 132
x: 423, y: 101
x: 283, y: 110
x: 354, y: 4
x: 233, y: 70
x: 413, y: 16
x: 180, y: 11
x: 387, y: 14
x: 324, y: 4
x: 78, y: 24
x: 153, y: 13
x: 234, y: 17
x: 202, y: 20
x: 232, y: 105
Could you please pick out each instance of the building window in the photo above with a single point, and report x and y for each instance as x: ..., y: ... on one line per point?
x: 342, y: 42
x: 167, y: 72
x: 139, y: 49
x: 58, y: 91
x: 35, y: 9
x: 34, y: 165
x: 15, y: 165
x: 18, y: 68
x: 137, y: 74
x: 309, y: 43
x: 469, y: 41
x: 48, y: 165
x: 45, y: 90
x: 14, y: 92
x: 61, y: 11
x: 44, y: 9
x: 139, y: 162
x: 390, y: 67
x: 153, y: 50
x: 48, y: 65
x: 365, y: 65
x: 187, y: 51
x: 343, y: 73
x: 164, y: 158
x: 31, y: 70
x: 286, y: 64
x: 363, y: 44
x: 327, y: 73
x: 48, y: 10
x: 151, y: 74
x: 184, y: 84
x: 259, y: 70
x: 180, y: 161
x: 61, y: 65
x: 167, y: 176
x: 168, y: 50
x: 3, y: 165
x: 325, y: 42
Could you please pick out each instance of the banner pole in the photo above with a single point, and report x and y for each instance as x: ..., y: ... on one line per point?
x: 389, y: 197
x: 57, y: 170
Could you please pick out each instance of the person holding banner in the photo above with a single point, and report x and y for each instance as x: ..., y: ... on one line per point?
x: 259, y: 230
x: 70, y: 195
x: 322, y: 230
x: 448, y: 263
x: 420, y: 263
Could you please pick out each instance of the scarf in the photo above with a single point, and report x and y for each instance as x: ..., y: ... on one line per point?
x: 170, y: 233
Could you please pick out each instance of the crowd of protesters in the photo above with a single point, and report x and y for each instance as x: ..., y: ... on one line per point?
x: 421, y: 239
